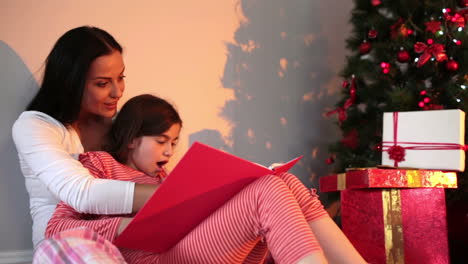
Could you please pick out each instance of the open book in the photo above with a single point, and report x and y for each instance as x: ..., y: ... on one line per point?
x: 203, y: 180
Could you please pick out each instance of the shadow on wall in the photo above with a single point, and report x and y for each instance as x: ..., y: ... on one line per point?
x: 277, y: 68
x: 17, y: 87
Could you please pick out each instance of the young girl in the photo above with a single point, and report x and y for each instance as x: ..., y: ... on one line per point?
x: 72, y: 111
x: 275, y: 213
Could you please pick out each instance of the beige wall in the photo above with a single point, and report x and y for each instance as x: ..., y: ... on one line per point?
x: 253, y: 77
x: 172, y: 50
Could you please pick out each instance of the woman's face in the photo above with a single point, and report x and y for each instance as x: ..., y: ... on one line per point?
x: 104, y: 86
x: 149, y: 154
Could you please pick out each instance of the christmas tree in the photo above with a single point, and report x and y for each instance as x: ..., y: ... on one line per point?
x: 406, y: 55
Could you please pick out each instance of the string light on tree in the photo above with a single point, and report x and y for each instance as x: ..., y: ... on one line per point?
x: 457, y: 42
x: 378, y: 147
x: 423, y: 103
x: 385, y: 67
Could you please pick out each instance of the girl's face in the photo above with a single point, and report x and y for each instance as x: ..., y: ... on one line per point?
x: 150, y: 153
x: 104, y: 86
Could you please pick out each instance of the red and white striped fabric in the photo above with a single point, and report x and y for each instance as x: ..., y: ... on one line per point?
x: 273, y: 211
x: 77, y: 246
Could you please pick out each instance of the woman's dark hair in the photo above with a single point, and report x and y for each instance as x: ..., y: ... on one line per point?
x: 142, y: 115
x: 65, y: 71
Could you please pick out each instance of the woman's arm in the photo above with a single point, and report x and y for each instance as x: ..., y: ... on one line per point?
x: 42, y: 144
x: 142, y: 193
x: 102, y: 165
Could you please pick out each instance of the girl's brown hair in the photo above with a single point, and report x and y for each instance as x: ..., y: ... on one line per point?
x: 142, y: 115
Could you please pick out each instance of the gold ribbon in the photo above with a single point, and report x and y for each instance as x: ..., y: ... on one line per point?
x: 414, y: 178
x: 393, y: 227
x: 444, y: 179
x: 435, y: 179
x: 341, y: 181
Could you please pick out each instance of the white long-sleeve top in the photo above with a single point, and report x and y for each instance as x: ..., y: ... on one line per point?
x: 48, y: 153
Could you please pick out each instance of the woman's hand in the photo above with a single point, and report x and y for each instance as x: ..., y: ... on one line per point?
x: 142, y: 193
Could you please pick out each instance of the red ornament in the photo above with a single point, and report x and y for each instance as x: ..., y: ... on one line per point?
x: 458, y: 19
x: 452, y: 65
x: 365, y: 47
x: 433, y: 26
x: 341, y: 111
x: 433, y: 107
x: 423, y: 92
x: 426, y: 100
x: 350, y: 139
x: 396, y: 29
x: 330, y: 160
x: 403, y: 56
x: 376, y: 2
x: 421, y: 104
x: 372, y: 34
x: 464, y: 13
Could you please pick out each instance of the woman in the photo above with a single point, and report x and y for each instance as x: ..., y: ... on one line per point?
x: 275, y: 212
x: 71, y: 113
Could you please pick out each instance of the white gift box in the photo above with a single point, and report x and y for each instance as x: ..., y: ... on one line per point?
x: 432, y: 139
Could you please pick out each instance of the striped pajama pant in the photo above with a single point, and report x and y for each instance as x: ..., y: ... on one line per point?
x: 271, y: 214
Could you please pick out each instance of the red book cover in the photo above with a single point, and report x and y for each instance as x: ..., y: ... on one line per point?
x: 203, y: 180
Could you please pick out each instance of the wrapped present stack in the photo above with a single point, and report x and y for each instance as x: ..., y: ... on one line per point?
x: 396, y: 213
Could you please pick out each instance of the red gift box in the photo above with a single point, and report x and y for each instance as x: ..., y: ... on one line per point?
x: 391, y: 216
x: 397, y: 225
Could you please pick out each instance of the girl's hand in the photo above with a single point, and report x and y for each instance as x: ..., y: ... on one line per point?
x: 123, y: 224
x: 275, y: 165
